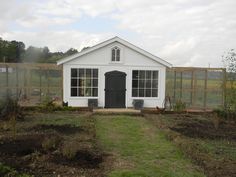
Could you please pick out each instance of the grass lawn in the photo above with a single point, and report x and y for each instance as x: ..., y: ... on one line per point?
x: 140, y: 149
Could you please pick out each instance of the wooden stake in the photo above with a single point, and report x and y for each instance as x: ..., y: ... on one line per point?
x: 205, y: 91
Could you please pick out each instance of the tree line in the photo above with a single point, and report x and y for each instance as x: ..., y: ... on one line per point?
x: 16, y: 52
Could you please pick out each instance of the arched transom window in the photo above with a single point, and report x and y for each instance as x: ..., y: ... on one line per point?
x: 115, y: 54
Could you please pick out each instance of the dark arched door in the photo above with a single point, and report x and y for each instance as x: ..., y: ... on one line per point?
x: 115, y: 89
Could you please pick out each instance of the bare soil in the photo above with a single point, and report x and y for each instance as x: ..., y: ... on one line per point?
x: 26, y: 153
x: 186, y: 130
x: 206, y: 129
x: 65, y: 129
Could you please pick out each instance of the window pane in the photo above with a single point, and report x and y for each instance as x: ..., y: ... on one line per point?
x: 113, y: 55
x: 135, y: 74
x: 95, y: 92
x: 141, y: 74
x: 148, y: 83
x: 148, y: 74
x: 73, y: 72
x: 144, y: 83
x: 118, y: 55
x: 81, y: 73
x: 88, y: 73
x: 148, y: 93
x: 81, y: 91
x: 81, y: 82
x: 155, y: 84
x: 74, y: 92
x: 88, y: 83
x: 95, y: 82
x: 74, y: 82
x: 141, y: 83
x: 154, y: 92
x: 88, y: 92
x: 155, y: 74
x: 95, y: 73
x: 141, y: 92
x: 134, y: 92
x: 135, y: 84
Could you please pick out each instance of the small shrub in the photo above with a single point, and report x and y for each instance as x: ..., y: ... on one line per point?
x: 11, y: 111
x: 51, y: 143
x: 225, y: 113
x: 179, y: 106
x: 9, y: 108
x: 216, y: 121
x: 70, y: 149
x: 47, y: 105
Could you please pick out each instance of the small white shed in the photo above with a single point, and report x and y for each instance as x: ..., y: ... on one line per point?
x: 115, y: 73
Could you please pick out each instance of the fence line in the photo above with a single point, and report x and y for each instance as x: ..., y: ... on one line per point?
x: 197, y: 87
x: 34, y: 82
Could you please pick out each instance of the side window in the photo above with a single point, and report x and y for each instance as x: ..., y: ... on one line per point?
x: 145, y: 83
x: 84, y: 82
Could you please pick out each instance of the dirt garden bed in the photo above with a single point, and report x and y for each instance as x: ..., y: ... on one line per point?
x: 211, y: 147
x: 52, y: 150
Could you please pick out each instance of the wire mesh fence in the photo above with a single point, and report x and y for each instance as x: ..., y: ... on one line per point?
x: 32, y: 83
x: 197, y: 87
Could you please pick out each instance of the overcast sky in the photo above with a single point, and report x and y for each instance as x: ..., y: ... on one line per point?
x: 183, y: 32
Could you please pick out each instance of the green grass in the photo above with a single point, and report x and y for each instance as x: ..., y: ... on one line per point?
x: 141, y: 149
x: 218, y: 149
x: 8, y: 171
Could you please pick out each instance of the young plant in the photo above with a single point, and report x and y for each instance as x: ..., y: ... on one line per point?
x: 51, y: 143
x: 179, y: 106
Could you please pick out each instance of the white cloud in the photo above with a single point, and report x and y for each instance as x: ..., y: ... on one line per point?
x: 184, y: 32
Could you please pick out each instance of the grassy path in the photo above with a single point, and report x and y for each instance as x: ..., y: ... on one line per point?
x: 140, y: 149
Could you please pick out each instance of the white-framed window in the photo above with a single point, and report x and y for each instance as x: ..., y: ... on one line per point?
x: 84, y: 82
x: 115, y: 54
x: 145, y: 83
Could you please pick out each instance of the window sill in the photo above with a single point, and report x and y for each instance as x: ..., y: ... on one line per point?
x: 116, y: 62
x: 83, y: 97
x: 146, y: 98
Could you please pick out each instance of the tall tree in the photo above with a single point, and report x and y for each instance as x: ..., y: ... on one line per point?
x: 229, y: 60
x: 71, y: 51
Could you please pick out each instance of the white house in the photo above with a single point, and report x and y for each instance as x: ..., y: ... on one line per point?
x: 114, y: 72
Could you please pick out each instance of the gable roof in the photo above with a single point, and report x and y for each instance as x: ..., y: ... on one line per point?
x: 112, y: 40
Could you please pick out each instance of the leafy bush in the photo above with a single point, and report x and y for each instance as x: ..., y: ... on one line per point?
x: 225, y: 113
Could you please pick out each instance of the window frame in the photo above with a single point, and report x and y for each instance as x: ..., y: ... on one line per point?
x: 116, y: 48
x: 84, y: 79
x: 145, y: 88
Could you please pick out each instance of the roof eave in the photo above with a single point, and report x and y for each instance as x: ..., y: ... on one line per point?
x: 115, y: 39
